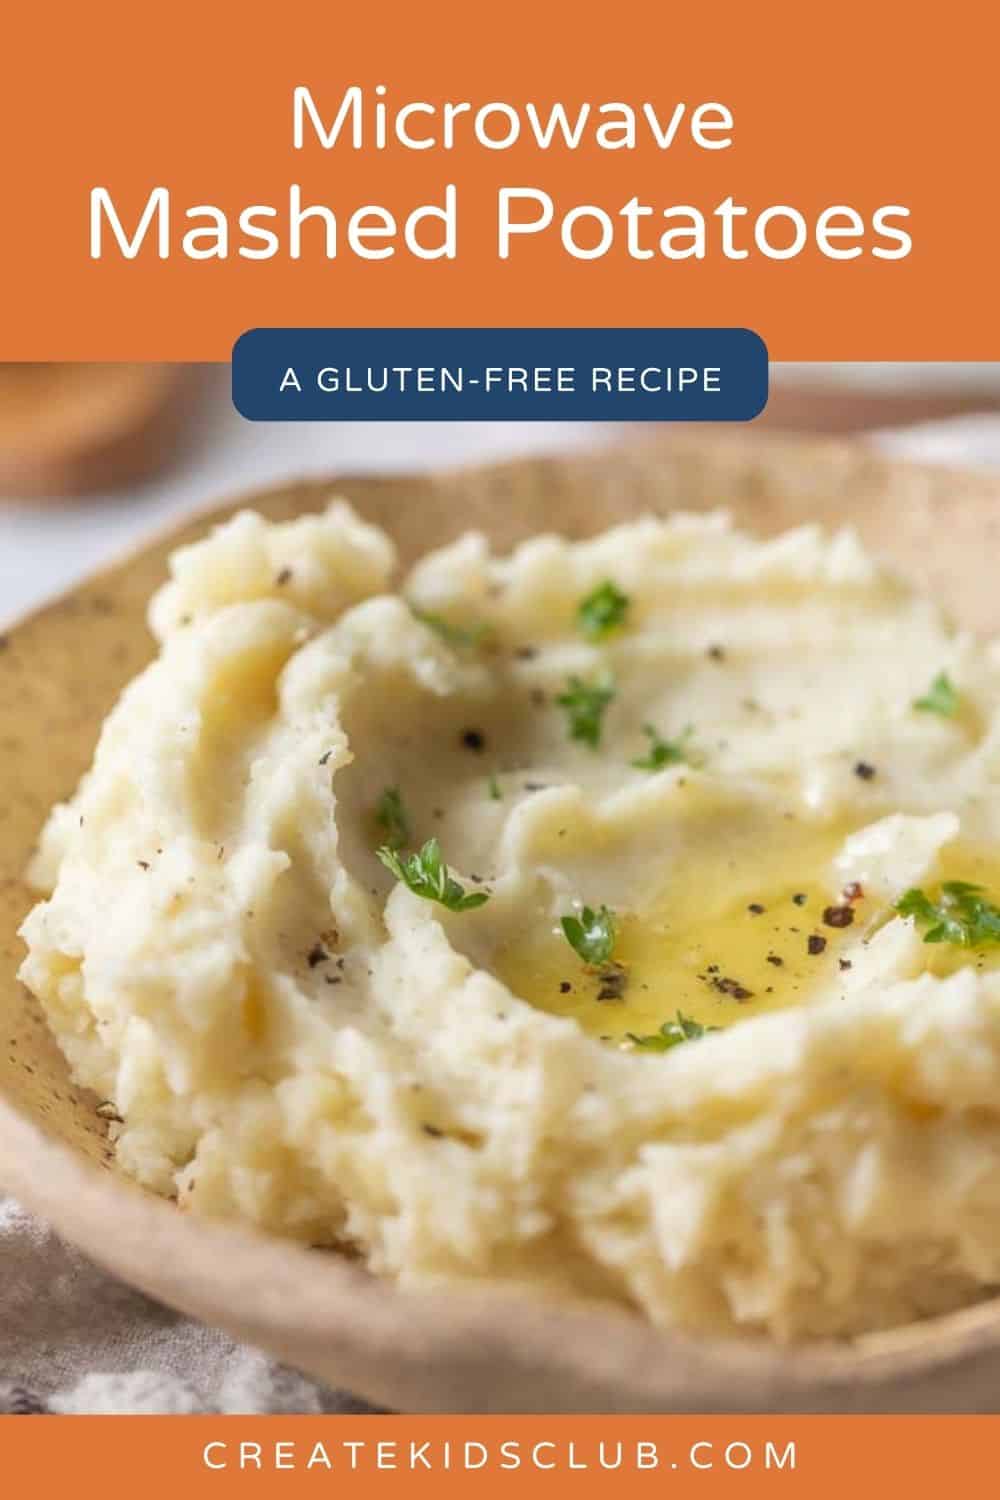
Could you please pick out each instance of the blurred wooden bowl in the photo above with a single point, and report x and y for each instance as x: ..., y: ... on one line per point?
x: 462, y: 1348
x: 66, y: 429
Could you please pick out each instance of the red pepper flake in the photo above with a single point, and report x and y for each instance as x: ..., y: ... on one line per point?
x: 816, y: 944
x: 838, y: 916
x: 853, y: 891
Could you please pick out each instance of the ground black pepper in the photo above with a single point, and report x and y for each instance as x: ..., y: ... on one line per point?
x: 733, y: 988
x: 614, y: 981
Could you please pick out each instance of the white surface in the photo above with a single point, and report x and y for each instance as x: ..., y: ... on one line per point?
x: 45, y: 547
x: 961, y: 442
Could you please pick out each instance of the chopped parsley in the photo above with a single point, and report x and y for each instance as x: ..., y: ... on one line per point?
x: 585, y: 704
x: 671, y: 1034
x: 468, y: 636
x: 663, y: 752
x: 592, y: 934
x: 602, y: 612
x: 496, y: 794
x: 426, y: 874
x: 961, y: 914
x: 390, y: 814
x: 942, y: 697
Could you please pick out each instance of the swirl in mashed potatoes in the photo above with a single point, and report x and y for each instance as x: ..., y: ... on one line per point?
x: 754, y: 1099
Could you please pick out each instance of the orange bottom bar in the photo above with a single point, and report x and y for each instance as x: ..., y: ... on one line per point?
x: 495, y: 1456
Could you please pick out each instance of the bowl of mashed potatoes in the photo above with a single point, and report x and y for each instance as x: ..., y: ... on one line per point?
x: 530, y: 939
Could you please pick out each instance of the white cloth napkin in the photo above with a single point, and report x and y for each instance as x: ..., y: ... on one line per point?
x: 74, y: 1340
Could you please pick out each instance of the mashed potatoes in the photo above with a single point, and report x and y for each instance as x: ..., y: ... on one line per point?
x: 736, y: 1089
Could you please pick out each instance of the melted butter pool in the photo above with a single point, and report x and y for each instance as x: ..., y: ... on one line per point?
x: 745, y: 924
x: 736, y: 930
x: 980, y: 866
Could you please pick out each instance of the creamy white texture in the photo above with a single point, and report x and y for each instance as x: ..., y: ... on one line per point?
x: 292, y: 1038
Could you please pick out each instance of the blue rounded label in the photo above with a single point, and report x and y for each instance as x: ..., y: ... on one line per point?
x: 500, y: 374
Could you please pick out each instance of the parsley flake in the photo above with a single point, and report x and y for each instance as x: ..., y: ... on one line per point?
x: 592, y: 934
x: 493, y: 786
x: 961, y: 915
x: 671, y: 1034
x: 390, y: 814
x: 942, y: 697
x: 602, y: 611
x: 426, y: 874
x: 585, y: 704
x: 666, y: 752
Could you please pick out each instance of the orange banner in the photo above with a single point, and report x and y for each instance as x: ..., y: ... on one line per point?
x: 741, y: 1456
x: 825, y: 177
